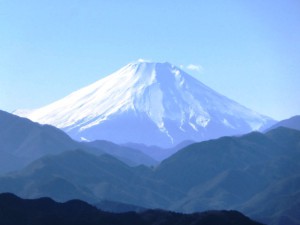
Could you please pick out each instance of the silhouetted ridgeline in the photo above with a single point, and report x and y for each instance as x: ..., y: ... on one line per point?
x: 44, y: 211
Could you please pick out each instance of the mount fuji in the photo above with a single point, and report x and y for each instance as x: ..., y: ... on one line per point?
x: 149, y: 103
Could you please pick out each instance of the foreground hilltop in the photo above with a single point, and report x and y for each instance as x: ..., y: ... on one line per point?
x: 15, y: 211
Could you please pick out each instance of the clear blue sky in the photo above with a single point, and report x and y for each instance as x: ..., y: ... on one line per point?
x: 247, y: 50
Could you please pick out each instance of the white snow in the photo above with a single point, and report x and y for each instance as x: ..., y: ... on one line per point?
x: 161, y: 91
x: 225, y: 121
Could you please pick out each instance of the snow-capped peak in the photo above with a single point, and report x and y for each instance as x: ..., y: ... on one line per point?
x: 148, y: 94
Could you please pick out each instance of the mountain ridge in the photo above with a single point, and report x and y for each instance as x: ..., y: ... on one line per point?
x: 17, y: 211
x: 257, y: 174
x: 23, y: 141
x: 292, y: 122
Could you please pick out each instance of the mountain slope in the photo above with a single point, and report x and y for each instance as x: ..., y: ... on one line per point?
x: 256, y: 173
x: 278, y: 204
x: 293, y: 123
x: 129, y: 155
x: 23, y: 141
x: 148, y: 103
x: 78, y: 174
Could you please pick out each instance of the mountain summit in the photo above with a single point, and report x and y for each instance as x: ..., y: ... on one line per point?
x: 149, y: 103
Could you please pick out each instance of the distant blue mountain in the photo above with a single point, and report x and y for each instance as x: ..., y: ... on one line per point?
x: 293, y: 123
x: 23, y: 141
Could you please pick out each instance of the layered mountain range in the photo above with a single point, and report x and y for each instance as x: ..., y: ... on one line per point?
x: 23, y: 141
x: 148, y: 103
x: 151, y: 136
x: 256, y: 173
